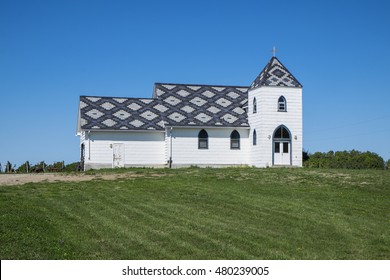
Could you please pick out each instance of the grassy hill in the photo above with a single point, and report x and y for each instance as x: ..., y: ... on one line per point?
x: 232, y: 213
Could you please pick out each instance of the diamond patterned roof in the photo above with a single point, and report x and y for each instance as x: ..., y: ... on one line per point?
x: 203, y: 105
x: 275, y: 74
x: 120, y: 113
x: 171, y: 105
x: 180, y: 105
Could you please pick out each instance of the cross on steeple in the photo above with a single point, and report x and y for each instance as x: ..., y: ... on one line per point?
x: 274, y: 51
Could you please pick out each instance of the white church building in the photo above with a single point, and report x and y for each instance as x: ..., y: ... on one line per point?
x: 201, y: 125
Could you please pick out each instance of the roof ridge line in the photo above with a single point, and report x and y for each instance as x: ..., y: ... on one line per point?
x: 97, y: 96
x: 200, y: 85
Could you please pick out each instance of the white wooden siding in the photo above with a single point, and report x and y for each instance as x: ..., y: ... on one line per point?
x: 141, y: 148
x: 185, y: 150
x: 82, y: 137
x: 267, y: 119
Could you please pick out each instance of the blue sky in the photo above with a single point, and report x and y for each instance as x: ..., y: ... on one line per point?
x: 51, y: 52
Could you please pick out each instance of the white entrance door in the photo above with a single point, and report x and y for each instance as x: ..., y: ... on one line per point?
x: 282, y: 153
x: 118, y: 150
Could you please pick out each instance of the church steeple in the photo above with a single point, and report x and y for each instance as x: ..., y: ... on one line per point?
x: 275, y: 74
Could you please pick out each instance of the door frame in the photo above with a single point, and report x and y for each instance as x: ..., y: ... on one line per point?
x: 281, y: 140
x: 122, y: 154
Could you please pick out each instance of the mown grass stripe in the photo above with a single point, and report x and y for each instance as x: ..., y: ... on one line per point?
x: 231, y: 213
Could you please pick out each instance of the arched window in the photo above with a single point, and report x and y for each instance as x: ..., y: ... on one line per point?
x: 254, y: 105
x: 254, y: 138
x: 203, y: 139
x: 281, y: 133
x: 282, y: 104
x: 235, y: 140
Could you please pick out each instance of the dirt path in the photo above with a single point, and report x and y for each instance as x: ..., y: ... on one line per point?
x: 20, y: 179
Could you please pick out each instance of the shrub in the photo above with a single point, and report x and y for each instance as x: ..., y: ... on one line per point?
x: 24, y: 167
x: 305, y: 156
x: 345, y: 159
x: 55, y: 167
x: 39, y: 167
x: 74, y: 166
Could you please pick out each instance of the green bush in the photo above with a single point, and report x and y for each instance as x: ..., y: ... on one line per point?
x: 305, y: 156
x: 71, y: 167
x: 39, y: 167
x: 55, y: 167
x: 345, y: 159
x: 24, y: 167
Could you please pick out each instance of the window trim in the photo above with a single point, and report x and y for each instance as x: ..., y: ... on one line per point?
x: 282, y: 101
x: 205, y: 139
x: 234, y: 140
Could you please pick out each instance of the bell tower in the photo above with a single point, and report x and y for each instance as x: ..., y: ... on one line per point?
x: 275, y: 117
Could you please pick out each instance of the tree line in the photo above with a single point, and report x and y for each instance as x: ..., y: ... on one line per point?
x: 26, y: 167
x: 345, y: 159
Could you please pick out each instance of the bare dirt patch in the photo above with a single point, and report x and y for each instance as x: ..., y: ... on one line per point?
x: 20, y: 179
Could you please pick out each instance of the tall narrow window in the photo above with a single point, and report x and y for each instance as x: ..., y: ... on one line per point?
x: 254, y: 138
x: 254, y: 105
x: 203, y: 139
x: 235, y: 140
x: 282, y: 104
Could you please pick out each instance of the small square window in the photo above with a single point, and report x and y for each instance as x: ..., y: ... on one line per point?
x: 235, y: 144
x: 203, y: 144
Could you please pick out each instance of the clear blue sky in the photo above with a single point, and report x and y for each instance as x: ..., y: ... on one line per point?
x: 51, y: 52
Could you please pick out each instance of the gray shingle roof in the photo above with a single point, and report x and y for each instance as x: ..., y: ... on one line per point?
x: 172, y: 105
x: 275, y: 74
x: 203, y: 105
x: 118, y: 113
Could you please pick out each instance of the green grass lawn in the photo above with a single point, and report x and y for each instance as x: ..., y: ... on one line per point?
x: 233, y: 213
